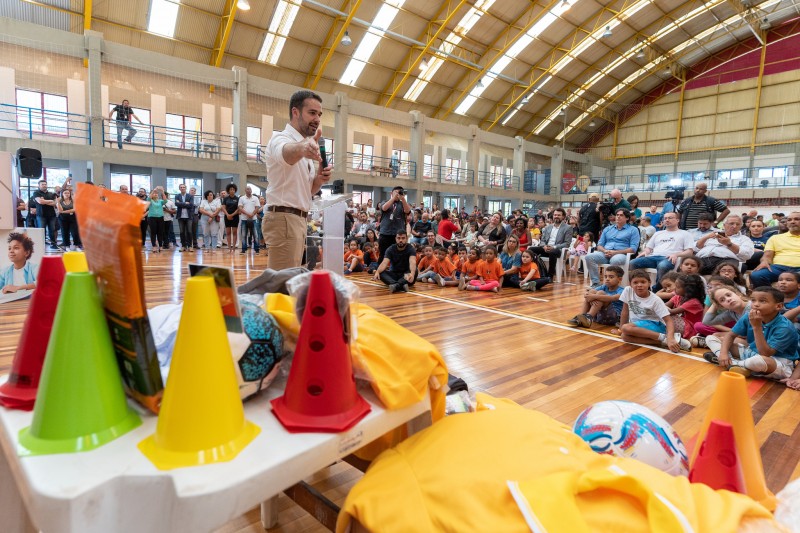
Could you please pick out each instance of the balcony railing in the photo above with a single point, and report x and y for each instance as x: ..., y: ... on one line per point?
x: 443, y: 174
x: 153, y: 138
x: 381, y: 166
x: 32, y: 123
x: 493, y: 180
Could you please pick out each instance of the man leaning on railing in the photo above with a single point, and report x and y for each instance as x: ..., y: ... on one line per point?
x: 124, y: 114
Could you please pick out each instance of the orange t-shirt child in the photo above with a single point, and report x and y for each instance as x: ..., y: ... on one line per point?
x: 445, y: 268
x: 348, y: 259
x: 491, y: 274
x: 427, y: 262
x: 470, y: 268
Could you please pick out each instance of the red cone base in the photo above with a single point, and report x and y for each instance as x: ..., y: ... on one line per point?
x: 19, y: 392
x: 321, y: 392
x: 717, y: 464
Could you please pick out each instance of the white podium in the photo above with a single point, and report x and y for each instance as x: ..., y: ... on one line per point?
x: 331, y: 210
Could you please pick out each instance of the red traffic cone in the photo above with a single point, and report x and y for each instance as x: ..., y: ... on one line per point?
x: 717, y: 463
x: 321, y: 392
x: 19, y: 392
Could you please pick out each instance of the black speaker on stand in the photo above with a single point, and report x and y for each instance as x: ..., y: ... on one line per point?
x: 337, y: 187
x: 29, y: 163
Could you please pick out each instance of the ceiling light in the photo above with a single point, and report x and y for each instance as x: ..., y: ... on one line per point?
x: 640, y: 54
x: 525, y: 100
x: 480, y: 84
x: 592, y: 124
x: 561, y: 112
x: 423, y: 64
x: 244, y: 5
x: 346, y: 40
x: 765, y: 25
x: 608, y: 32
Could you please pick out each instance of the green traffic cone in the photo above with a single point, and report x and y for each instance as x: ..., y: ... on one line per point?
x: 80, y: 405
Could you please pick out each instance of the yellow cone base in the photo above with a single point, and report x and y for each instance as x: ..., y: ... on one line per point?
x: 30, y: 445
x: 165, y: 459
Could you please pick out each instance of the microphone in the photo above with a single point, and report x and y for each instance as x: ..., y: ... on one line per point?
x: 322, y: 152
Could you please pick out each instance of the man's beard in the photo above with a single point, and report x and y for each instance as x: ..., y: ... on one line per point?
x: 401, y: 246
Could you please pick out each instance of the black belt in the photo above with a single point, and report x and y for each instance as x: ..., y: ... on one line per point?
x: 283, y: 209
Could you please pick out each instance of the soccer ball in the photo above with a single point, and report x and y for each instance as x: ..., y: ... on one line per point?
x: 627, y: 429
x: 257, y: 351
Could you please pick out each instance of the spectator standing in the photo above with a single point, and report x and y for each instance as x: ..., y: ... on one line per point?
x: 249, y: 207
x: 195, y: 214
x: 691, y: 208
x: 69, y: 222
x: 230, y: 208
x: 209, y: 210
x: 588, y: 216
x: 124, y: 113
x: 393, y: 220
x: 169, y: 215
x: 619, y: 201
x: 447, y: 228
x: 46, y: 212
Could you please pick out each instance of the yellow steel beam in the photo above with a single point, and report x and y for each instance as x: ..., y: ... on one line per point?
x: 326, y: 44
x: 431, y: 38
x: 679, y: 127
x: 223, y: 33
x: 758, y: 98
x: 87, y: 24
x: 337, y: 40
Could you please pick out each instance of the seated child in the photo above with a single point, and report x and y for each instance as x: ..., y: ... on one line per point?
x: 668, y: 285
x: 426, y: 266
x: 489, y: 273
x: 789, y: 285
x: 602, y: 305
x: 372, y: 253
x: 530, y: 279
x: 727, y: 306
x: 444, y: 268
x: 353, y: 258
x: 689, y: 265
x: 583, y: 244
x: 21, y: 273
x: 686, y: 307
x: 471, y: 235
x: 730, y: 270
x: 469, y: 268
x: 459, y: 261
x: 763, y: 341
x: 645, y: 319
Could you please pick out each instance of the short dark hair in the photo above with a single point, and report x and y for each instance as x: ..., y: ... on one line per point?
x: 24, y: 240
x: 401, y: 232
x: 205, y: 194
x: 233, y: 186
x: 615, y: 270
x: 299, y: 98
x: 439, y: 248
x: 398, y: 188
x: 669, y: 276
x: 706, y: 216
x: 625, y: 213
x: 562, y: 210
x: 639, y: 273
x: 777, y: 296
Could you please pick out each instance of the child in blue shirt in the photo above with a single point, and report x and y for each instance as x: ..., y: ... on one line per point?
x: 762, y: 342
x: 602, y: 305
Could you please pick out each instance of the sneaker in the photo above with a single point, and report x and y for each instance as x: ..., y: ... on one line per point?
x: 462, y: 283
x: 742, y: 371
x: 393, y: 288
x: 684, y: 344
x: 441, y: 281
x: 347, y: 272
x: 495, y: 289
x: 532, y: 286
x: 574, y: 321
x: 243, y: 252
x: 404, y: 287
x: 711, y: 357
x: 698, y: 341
x: 584, y: 320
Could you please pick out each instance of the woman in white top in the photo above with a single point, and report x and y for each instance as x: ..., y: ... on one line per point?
x: 209, y: 210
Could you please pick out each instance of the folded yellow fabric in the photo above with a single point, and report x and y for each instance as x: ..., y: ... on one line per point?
x: 454, y: 476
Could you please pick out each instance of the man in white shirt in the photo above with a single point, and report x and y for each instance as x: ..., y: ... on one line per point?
x: 250, y: 206
x: 169, y: 231
x: 293, y: 180
x: 665, y: 247
x: 731, y: 245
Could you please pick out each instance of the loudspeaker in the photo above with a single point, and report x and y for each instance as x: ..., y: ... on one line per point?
x: 29, y: 163
x: 338, y: 187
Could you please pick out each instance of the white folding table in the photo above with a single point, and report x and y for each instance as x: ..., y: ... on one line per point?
x: 116, y: 488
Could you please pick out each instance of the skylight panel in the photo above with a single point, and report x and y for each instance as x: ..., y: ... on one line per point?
x: 279, y: 27
x: 163, y: 17
x: 383, y: 19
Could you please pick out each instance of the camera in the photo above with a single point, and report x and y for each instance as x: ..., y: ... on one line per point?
x: 675, y: 193
x: 605, y: 208
x: 401, y: 192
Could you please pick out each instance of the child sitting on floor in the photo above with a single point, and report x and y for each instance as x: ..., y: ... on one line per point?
x: 686, y: 306
x: 489, y: 273
x: 645, y: 319
x: 353, y: 258
x: 727, y: 306
x: 730, y: 270
x: 763, y: 341
x: 530, y: 279
x: 371, y: 255
x: 602, y: 305
x: 427, y: 266
x: 460, y: 261
x: 689, y: 265
x: 444, y: 268
x: 469, y: 270
x: 668, y: 285
x: 789, y: 285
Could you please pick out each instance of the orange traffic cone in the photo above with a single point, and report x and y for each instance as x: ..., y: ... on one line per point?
x: 320, y: 392
x: 731, y: 404
x: 717, y: 463
x: 19, y: 392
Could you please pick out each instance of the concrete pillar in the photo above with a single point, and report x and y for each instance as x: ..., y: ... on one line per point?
x: 556, y: 170
x: 417, y: 151
x: 340, y: 148
x: 474, y: 151
x: 93, y: 41
x: 240, y: 116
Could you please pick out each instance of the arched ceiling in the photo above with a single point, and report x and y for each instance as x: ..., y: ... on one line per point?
x: 510, y: 66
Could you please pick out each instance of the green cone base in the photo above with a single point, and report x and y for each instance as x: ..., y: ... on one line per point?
x: 30, y: 445
x: 164, y: 459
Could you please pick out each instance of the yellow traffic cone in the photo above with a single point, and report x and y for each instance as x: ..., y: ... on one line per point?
x: 731, y: 404
x: 202, y: 418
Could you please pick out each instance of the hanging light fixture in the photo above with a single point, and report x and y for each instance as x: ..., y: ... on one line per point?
x: 346, y: 40
x: 480, y: 84
x: 592, y: 124
x: 423, y: 64
x: 244, y: 5
x: 608, y: 33
x: 640, y: 53
x: 561, y: 112
x: 525, y: 100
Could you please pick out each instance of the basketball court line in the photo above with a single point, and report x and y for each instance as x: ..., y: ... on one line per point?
x: 544, y: 322
x: 537, y: 299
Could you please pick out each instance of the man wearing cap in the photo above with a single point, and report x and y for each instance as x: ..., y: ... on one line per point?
x: 589, y: 218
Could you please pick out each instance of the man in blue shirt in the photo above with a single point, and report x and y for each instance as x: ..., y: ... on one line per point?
x: 616, y: 242
x: 771, y: 348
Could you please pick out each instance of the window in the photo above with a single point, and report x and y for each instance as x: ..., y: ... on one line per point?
x: 427, y: 201
x: 142, y: 130
x: 362, y: 197
x: 427, y: 165
x: 253, y: 141
x: 54, y: 176
x: 173, y: 184
x: 495, y: 206
x: 496, y: 173
x: 403, y: 157
x: 133, y: 181
x: 451, y: 203
x: 43, y: 113
x: 772, y: 172
x: 452, y: 167
x: 183, y: 132
x: 163, y: 16
x: 362, y: 156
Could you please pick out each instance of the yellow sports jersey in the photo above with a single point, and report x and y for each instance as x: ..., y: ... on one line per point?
x: 787, y: 249
x: 510, y: 469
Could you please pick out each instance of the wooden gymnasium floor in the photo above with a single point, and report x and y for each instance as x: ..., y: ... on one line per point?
x: 514, y: 345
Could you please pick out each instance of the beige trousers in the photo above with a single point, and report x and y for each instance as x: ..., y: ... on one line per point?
x: 285, y: 234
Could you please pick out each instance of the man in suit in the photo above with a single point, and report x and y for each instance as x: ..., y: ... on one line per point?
x: 555, y: 237
x: 185, y: 204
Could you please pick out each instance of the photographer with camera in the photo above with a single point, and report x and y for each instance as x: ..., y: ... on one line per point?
x: 589, y: 216
x: 691, y: 208
x: 393, y: 219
